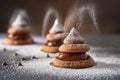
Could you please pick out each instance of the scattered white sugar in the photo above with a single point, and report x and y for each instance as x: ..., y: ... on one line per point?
x: 105, y: 69
x: 107, y: 64
x: 57, y: 27
x: 18, y: 22
x: 73, y: 36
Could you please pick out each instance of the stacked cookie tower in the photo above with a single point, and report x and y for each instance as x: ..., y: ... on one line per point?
x: 19, y: 32
x: 73, y: 52
x: 54, y: 38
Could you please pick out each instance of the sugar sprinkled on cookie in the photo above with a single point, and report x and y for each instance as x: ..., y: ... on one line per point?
x: 57, y: 27
x: 19, y: 22
x: 72, y: 54
x: 19, y: 32
x: 73, y: 37
x: 55, y: 38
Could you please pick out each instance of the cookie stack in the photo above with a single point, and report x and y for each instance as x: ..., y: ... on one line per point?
x: 54, y: 38
x: 19, y: 32
x: 72, y: 54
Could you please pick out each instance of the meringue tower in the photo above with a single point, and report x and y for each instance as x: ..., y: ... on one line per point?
x: 54, y: 38
x: 72, y: 53
x: 19, y: 31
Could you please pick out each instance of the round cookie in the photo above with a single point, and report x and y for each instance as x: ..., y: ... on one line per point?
x: 73, y: 48
x: 50, y: 49
x: 72, y: 54
x: 9, y: 41
x: 19, y: 32
x: 13, y: 30
x: 74, y: 64
x: 56, y: 37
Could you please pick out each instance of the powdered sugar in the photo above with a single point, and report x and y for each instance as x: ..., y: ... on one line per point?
x: 41, y: 69
x: 60, y: 35
x: 76, y: 46
x: 19, y: 21
x: 57, y: 27
x: 107, y: 64
x: 73, y: 36
x: 71, y: 48
x: 79, y: 16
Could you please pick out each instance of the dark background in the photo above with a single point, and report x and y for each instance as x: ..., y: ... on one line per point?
x: 107, y: 12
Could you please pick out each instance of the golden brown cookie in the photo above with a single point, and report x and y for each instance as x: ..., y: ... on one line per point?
x: 72, y: 54
x: 72, y: 48
x: 13, y: 30
x: 56, y: 37
x: 50, y: 49
x: 10, y: 41
x: 74, y: 64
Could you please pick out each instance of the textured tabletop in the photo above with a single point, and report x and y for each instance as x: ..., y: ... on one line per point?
x: 104, y: 49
